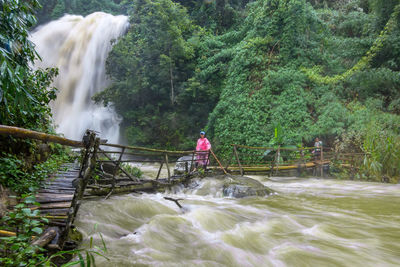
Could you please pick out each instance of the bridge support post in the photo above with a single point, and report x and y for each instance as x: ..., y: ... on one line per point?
x: 115, y: 172
x: 159, y: 170
x: 88, y: 165
x: 322, y: 162
x: 238, y: 160
x: 192, y: 162
x: 166, y: 163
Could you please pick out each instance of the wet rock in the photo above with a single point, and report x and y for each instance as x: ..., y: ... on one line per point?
x: 180, y: 166
x: 241, y: 186
x: 108, y: 167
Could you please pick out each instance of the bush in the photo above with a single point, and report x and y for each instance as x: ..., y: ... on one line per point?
x: 18, y: 176
x: 134, y: 171
x: 382, y: 159
x: 17, y: 250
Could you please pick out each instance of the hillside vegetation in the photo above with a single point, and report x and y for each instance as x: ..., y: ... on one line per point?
x: 240, y: 68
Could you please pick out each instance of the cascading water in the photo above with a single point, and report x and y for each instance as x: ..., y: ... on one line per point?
x: 78, y: 46
x: 306, y: 222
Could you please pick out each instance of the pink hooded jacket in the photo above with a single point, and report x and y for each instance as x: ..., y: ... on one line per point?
x: 203, y: 144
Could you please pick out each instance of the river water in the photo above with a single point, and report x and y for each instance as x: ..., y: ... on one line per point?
x: 306, y: 222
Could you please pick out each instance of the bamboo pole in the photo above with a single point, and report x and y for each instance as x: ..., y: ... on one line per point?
x: 278, y: 157
x: 192, y: 161
x: 148, y: 149
x: 159, y: 170
x: 117, y: 166
x: 166, y: 163
x: 48, y: 235
x: 25, y: 133
x: 126, y: 173
x: 7, y: 233
x: 220, y: 165
x: 301, y: 159
x: 322, y: 162
x: 271, y: 148
x: 230, y: 160
x: 237, y: 158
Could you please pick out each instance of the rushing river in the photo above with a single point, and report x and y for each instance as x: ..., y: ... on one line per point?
x: 307, y: 222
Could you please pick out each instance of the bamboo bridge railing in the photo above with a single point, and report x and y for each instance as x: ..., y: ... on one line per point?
x: 117, y: 154
x: 69, y: 188
x: 96, y: 152
x: 271, y: 160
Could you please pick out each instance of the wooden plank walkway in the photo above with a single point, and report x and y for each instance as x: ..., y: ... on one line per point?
x: 56, y: 195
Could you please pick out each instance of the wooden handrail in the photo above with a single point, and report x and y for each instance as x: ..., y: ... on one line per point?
x: 274, y: 148
x: 147, y: 149
x: 25, y: 133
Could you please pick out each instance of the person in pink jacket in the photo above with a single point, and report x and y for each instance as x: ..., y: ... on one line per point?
x: 202, y: 145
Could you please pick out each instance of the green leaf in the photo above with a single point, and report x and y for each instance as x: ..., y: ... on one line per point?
x: 81, y: 260
x: 72, y: 263
x: 37, y: 230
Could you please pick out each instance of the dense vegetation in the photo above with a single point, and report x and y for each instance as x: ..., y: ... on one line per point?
x: 237, y: 68
x: 240, y: 68
x: 54, y: 9
x: 24, y: 100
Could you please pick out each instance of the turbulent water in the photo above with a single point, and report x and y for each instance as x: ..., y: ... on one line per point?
x: 79, y: 46
x: 307, y: 222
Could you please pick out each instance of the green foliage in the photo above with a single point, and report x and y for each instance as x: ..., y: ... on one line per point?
x: 263, y: 86
x: 85, y: 256
x: 20, y: 177
x: 54, y: 9
x: 316, y: 68
x: 132, y: 170
x: 366, y: 60
x: 382, y: 148
x: 150, y: 67
x: 376, y: 134
x: 17, y: 250
x: 217, y: 16
x: 24, y: 94
x: 26, y: 224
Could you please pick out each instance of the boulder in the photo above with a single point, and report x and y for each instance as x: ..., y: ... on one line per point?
x: 241, y: 186
x: 180, y: 166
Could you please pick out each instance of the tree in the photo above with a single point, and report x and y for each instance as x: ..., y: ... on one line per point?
x: 54, y: 9
x: 264, y: 86
x: 149, y: 68
x: 24, y: 93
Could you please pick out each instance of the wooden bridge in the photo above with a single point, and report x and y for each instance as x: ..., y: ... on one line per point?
x: 61, y: 194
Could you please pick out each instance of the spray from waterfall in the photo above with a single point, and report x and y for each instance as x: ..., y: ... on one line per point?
x: 78, y: 46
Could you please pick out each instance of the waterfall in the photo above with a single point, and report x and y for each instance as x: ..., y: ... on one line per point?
x: 78, y: 46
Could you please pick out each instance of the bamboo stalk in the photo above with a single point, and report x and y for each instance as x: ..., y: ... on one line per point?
x: 159, y: 170
x: 55, y: 217
x: 229, y: 161
x: 220, y: 165
x: 25, y: 133
x: 148, y: 149
x: 7, y: 233
x: 126, y: 173
x: 237, y: 158
x: 322, y: 162
x: 166, y: 163
x: 46, y: 237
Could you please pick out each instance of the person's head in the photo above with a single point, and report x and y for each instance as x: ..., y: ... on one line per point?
x: 202, y: 134
x: 316, y: 139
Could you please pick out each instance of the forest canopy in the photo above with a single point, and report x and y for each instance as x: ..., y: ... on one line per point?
x: 239, y: 68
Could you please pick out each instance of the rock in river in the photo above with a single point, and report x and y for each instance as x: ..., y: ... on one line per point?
x: 180, y: 167
x: 241, y: 186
